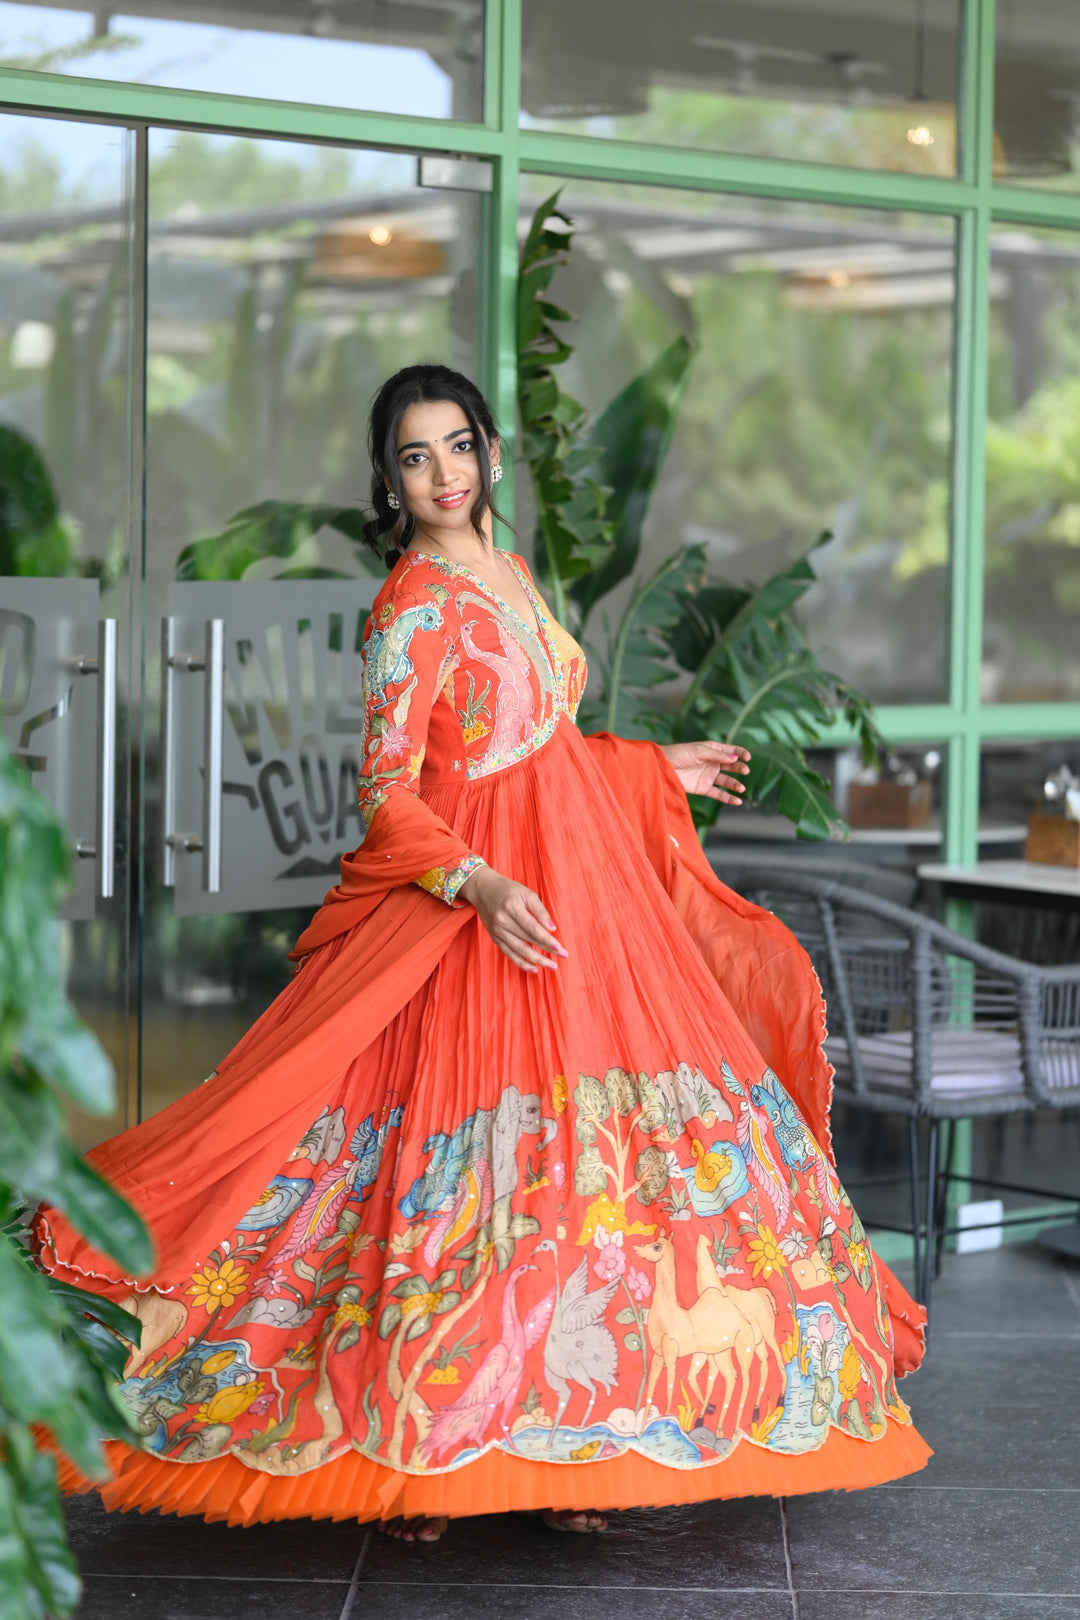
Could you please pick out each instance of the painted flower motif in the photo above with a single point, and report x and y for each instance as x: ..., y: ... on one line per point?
x: 229, y: 1403
x: 560, y: 1094
x: 851, y: 1372
x: 761, y: 1430
x: 611, y: 1261
x: 349, y: 1311
x: 262, y: 1405
x: 416, y: 762
x: 395, y: 742
x: 422, y: 1304
x: 474, y: 733
x: 819, y: 1342
x: 270, y: 1281
x: 536, y: 1182
x: 859, y: 1256
x: 794, y: 1244
x: 639, y: 1284
x: 443, y: 1375
x: 790, y: 1347
x: 765, y: 1252
x: 217, y: 1286
x: 558, y: 1175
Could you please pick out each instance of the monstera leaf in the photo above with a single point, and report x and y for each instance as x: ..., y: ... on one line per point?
x: 629, y: 441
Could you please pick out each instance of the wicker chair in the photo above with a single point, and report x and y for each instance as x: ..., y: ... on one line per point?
x: 928, y: 1025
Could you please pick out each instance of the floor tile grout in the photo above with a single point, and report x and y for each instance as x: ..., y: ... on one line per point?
x: 354, y: 1584
x: 786, y: 1541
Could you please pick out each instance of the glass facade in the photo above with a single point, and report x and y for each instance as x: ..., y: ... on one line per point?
x: 221, y: 224
x: 388, y: 56
x: 871, y: 83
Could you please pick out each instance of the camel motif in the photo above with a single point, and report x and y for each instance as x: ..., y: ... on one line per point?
x: 713, y: 1332
x: 756, y: 1305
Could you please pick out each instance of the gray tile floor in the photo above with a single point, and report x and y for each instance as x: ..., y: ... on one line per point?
x: 989, y: 1531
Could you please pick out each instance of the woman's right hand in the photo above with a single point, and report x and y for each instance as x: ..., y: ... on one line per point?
x: 515, y: 917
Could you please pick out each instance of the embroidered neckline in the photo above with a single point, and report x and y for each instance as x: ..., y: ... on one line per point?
x: 539, y: 631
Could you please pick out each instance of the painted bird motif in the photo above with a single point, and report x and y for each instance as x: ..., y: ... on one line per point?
x: 579, y: 1348
x: 514, y: 698
x: 495, y: 1383
x: 386, y: 656
x: 318, y: 1214
x: 796, y: 1147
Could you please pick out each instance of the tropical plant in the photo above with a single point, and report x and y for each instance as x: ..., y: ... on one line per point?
x: 738, y: 665
x: 61, y: 1349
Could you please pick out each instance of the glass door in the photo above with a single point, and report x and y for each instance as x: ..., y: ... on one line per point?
x: 70, y: 532
x: 284, y: 282
x: 192, y: 328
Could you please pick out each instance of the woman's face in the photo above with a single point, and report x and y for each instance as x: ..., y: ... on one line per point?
x: 440, y: 471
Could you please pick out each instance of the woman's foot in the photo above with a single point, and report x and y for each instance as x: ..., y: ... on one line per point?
x: 582, y: 1520
x: 418, y: 1529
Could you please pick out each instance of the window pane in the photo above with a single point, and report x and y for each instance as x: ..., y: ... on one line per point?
x: 1031, y: 645
x: 818, y: 398
x: 395, y: 56
x: 285, y: 282
x: 1037, y: 94
x: 869, y: 83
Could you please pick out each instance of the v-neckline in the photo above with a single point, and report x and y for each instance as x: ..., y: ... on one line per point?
x: 539, y: 630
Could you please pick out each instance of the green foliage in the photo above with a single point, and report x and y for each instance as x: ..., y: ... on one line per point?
x: 574, y: 535
x: 273, y: 529
x: 34, y: 538
x: 61, y: 1349
x: 741, y: 667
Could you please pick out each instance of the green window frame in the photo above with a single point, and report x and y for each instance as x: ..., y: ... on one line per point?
x: 972, y: 197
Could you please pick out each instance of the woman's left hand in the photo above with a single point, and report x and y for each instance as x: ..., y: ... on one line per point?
x: 701, y: 768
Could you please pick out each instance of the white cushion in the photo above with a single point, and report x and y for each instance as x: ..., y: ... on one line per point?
x: 964, y: 1060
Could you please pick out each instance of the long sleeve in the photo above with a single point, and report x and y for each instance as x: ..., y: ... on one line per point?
x: 410, y: 648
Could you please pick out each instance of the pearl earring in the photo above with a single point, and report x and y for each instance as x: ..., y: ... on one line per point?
x: 496, y: 473
x: 392, y: 501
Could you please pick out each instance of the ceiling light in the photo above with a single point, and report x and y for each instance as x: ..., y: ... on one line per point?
x: 920, y: 136
x: 381, y: 235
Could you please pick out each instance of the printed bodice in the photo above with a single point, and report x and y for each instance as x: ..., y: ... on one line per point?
x: 456, y: 683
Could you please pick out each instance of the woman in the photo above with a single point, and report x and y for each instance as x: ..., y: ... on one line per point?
x: 521, y: 1194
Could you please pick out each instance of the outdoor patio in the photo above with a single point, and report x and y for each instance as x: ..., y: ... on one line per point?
x: 987, y: 1532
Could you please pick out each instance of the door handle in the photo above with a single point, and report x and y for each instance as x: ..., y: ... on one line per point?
x: 212, y: 663
x: 103, y: 849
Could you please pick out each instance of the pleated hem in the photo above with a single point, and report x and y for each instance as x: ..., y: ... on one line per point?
x: 355, y: 1487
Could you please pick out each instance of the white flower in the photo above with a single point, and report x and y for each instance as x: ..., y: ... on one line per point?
x: 793, y: 1245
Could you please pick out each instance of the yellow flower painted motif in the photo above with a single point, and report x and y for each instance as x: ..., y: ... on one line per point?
x: 425, y: 1304
x: 790, y: 1347
x: 536, y: 1183
x: 227, y: 1405
x: 350, y: 1312
x: 765, y: 1252
x: 215, y: 1364
x: 851, y: 1372
x: 612, y: 1217
x: 761, y: 1430
x: 415, y: 763
x: 474, y: 733
x: 215, y: 1286
x: 560, y: 1094
x: 443, y: 1375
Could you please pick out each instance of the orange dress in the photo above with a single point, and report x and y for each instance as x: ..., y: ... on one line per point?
x: 444, y: 1236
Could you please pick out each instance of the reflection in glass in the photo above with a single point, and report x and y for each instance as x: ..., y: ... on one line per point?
x: 1037, y: 93
x: 1031, y: 645
x: 870, y: 83
x: 398, y: 56
x: 66, y: 369
x: 818, y: 397
x: 285, y: 282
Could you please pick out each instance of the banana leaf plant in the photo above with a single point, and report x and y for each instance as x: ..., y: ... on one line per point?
x: 62, y: 1350
x: 735, y: 662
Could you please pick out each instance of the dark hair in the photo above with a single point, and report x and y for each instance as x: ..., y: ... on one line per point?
x: 389, y: 532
